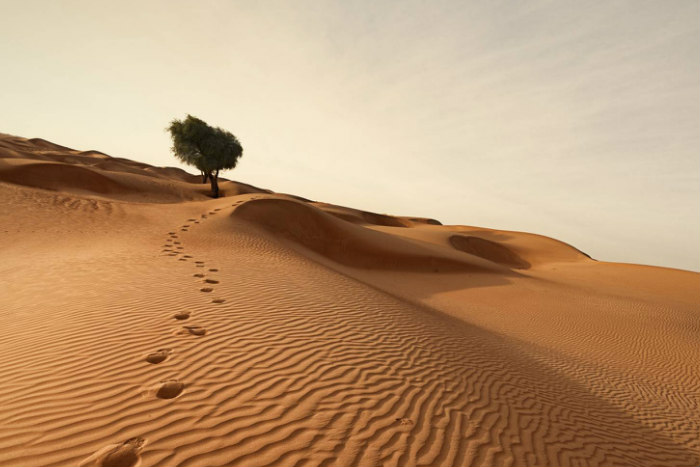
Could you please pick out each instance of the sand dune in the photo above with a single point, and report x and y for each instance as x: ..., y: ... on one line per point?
x: 41, y: 164
x: 147, y: 324
x: 492, y: 251
x: 347, y: 243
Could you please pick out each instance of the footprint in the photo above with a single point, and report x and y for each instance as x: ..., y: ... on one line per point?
x: 180, y: 247
x: 218, y: 300
x: 170, y: 389
x: 211, y: 281
x: 213, y: 270
x: 185, y: 226
x: 199, y: 262
x: 182, y: 259
x: 199, y: 275
x: 177, y: 243
x: 183, y: 315
x: 183, y: 230
x: 191, y: 220
x: 206, y: 289
x: 169, y: 240
x: 171, y: 233
x: 196, y: 222
x: 405, y: 421
x: 217, y: 209
x: 196, y: 330
x: 200, y: 265
x: 172, y: 254
x: 187, y: 256
x: 125, y: 454
x: 158, y: 356
x: 204, y: 216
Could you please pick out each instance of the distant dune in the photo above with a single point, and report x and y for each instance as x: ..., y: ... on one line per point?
x: 148, y: 324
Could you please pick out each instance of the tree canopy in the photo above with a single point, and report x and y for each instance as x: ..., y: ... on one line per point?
x: 209, y: 149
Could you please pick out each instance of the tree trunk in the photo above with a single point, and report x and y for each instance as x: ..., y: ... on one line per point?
x: 205, y: 176
x: 214, y: 179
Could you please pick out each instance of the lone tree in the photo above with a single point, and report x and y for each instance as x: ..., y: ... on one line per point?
x: 207, y: 148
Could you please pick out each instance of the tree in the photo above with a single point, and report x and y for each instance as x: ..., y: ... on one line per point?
x: 207, y: 148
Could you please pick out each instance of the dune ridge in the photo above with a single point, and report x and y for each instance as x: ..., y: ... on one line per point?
x: 149, y: 325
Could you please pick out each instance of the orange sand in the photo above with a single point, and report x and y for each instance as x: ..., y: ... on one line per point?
x: 147, y: 324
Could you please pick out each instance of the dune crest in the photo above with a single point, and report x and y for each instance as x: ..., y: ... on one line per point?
x: 489, y: 250
x: 40, y: 164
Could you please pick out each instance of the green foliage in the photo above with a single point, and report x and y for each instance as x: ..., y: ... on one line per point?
x: 208, y: 148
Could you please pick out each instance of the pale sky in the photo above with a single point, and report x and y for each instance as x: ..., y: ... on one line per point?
x: 579, y: 120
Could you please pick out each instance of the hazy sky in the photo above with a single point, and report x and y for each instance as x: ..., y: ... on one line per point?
x: 574, y: 119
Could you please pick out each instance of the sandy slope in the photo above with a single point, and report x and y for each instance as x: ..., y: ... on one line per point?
x: 145, y: 323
